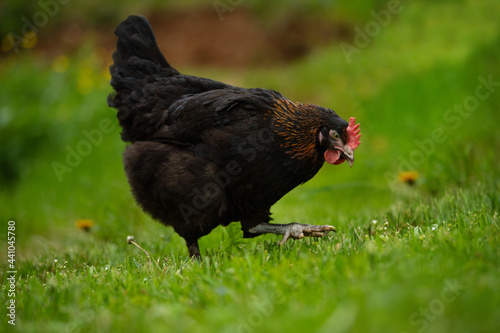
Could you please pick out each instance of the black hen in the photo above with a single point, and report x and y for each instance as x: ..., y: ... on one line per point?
x: 204, y: 153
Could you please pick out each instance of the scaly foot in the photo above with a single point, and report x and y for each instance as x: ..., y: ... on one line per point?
x: 292, y: 230
x: 298, y: 231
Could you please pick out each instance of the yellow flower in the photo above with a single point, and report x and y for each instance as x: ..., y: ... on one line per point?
x: 30, y: 39
x: 85, y: 82
x: 84, y: 224
x: 60, y: 64
x: 408, y: 177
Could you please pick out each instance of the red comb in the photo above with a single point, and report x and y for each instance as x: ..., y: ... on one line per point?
x: 353, y: 134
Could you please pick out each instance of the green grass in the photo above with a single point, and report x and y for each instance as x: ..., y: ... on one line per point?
x: 430, y: 262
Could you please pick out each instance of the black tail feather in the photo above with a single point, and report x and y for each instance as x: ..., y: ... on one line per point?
x: 137, y: 60
x: 145, y: 84
x: 136, y: 38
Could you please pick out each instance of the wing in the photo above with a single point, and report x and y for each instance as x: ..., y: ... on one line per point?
x: 187, y: 119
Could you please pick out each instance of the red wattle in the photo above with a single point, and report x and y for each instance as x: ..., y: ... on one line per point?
x: 340, y: 161
x: 331, y: 156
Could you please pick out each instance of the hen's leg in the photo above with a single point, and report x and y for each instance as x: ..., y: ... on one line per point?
x: 194, y: 249
x: 292, y: 230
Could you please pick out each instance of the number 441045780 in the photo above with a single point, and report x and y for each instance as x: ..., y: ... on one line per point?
x: 11, y: 241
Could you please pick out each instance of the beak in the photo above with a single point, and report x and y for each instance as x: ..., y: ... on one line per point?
x: 348, y: 154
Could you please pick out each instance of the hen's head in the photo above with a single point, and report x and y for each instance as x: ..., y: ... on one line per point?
x: 311, y: 132
x: 339, y: 140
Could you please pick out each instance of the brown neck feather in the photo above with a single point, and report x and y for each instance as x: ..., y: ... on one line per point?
x: 298, y: 126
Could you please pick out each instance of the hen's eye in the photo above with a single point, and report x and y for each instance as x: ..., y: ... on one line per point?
x: 336, y: 136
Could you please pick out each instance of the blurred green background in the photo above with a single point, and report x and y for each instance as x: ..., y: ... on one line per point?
x: 413, y: 74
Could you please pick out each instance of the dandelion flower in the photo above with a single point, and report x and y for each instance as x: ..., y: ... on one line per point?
x: 84, y: 224
x: 85, y: 79
x: 60, y: 64
x: 30, y: 39
x: 408, y: 177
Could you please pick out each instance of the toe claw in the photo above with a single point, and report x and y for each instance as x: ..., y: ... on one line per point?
x: 285, y: 238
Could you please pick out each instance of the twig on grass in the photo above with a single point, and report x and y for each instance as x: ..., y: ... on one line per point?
x: 131, y: 240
